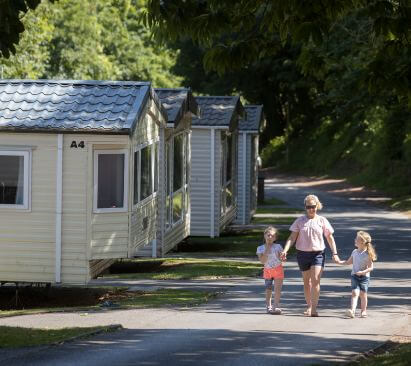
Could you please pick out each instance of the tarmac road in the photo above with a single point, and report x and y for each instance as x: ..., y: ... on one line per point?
x: 234, y: 329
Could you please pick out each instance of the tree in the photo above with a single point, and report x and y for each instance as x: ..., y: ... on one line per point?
x: 90, y: 39
x: 11, y: 24
x: 238, y: 33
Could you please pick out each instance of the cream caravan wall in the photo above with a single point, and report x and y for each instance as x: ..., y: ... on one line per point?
x: 179, y: 231
x: 203, y: 217
x: 143, y: 218
x: 27, y: 237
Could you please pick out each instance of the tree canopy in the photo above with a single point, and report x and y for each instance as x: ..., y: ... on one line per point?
x: 336, y: 100
x: 11, y: 24
x: 238, y: 33
x: 90, y: 39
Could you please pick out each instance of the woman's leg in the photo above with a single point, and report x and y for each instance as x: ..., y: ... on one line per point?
x: 278, y: 284
x: 307, y: 288
x: 315, y: 276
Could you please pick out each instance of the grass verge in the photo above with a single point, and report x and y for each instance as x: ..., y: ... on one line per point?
x: 277, y: 210
x: 390, y: 354
x: 401, y: 204
x: 273, y: 202
x: 14, y: 337
x: 230, y: 244
x: 182, y: 269
x: 168, y: 297
x: 99, y: 298
x: 273, y: 220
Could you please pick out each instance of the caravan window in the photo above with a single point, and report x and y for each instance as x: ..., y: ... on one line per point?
x: 145, y: 171
x: 110, y: 180
x: 14, y: 179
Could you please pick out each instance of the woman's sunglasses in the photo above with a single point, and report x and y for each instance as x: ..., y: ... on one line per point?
x: 310, y: 207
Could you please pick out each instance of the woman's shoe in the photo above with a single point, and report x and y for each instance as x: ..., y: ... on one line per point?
x: 307, y: 312
x: 277, y: 311
x: 363, y: 314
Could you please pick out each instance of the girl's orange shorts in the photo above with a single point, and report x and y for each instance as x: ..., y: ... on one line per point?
x: 276, y: 272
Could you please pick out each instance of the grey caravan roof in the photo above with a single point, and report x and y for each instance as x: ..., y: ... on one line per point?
x: 112, y: 107
x: 177, y: 102
x: 254, y: 120
x: 218, y: 111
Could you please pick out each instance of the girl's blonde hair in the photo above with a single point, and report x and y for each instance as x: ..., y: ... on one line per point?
x: 313, y: 197
x: 366, y: 238
x: 270, y: 228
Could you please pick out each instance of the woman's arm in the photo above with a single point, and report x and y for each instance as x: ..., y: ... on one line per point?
x: 290, y: 241
x: 333, y: 247
x: 348, y: 261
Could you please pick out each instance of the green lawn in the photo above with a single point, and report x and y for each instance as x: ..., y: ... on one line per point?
x: 116, y: 298
x: 402, y: 204
x: 168, y: 297
x: 273, y: 202
x: 182, y: 268
x: 278, y: 210
x: 13, y: 337
x: 397, y: 356
x: 273, y: 220
x: 229, y: 244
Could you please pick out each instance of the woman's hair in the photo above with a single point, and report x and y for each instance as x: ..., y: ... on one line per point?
x: 366, y: 238
x: 268, y: 229
x: 312, y: 197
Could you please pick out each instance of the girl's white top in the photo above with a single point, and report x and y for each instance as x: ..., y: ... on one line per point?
x: 359, y: 261
x: 273, y: 256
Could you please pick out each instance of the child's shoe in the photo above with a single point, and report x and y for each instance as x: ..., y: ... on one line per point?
x: 350, y: 313
x: 269, y: 310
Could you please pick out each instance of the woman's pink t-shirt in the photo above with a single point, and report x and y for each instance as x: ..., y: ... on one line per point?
x: 310, y: 232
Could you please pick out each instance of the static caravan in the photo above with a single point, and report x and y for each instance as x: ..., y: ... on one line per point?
x: 78, y: 176
x: 214, y: 165
x: 174, y: 195
x: 249, y: 129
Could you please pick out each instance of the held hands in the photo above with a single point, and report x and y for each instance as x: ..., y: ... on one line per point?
x: 337, y: 259
x: 283, y: 256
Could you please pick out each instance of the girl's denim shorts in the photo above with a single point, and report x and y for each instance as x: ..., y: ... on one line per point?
x: 360, y: 282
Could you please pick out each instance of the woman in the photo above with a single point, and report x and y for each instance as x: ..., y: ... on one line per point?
x: 308, y: 232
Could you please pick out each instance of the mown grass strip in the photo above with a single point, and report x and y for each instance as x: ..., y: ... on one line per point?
x: 399, y: 355
x: 273, y: 220
x: 121, y: 298
x: 13, y: 337
x: 230, y: 244
x: 184, y: 269
x: 168, y: 297
x: 277, y: 210
x: 273, y: 202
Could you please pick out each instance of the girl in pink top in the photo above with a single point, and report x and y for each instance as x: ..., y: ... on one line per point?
x: 308, y: 233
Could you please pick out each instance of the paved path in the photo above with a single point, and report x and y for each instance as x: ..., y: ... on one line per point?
x: 234, y: 330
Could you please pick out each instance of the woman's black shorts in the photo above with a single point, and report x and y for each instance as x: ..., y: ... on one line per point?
x: 307, y: 259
